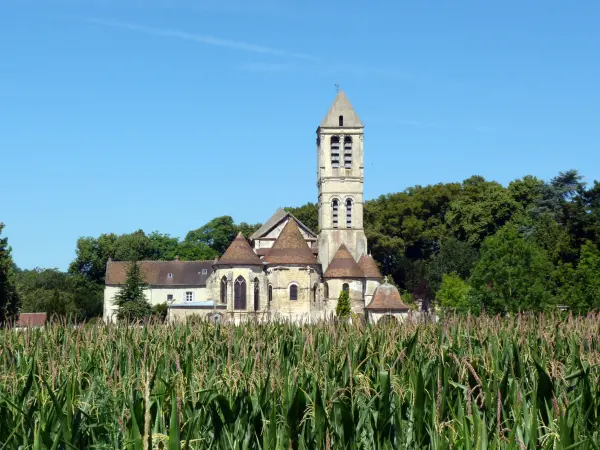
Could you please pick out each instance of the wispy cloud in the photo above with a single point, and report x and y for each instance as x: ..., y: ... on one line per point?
x: 204, y: 39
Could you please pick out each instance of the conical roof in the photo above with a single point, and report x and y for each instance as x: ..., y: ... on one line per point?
x: 369, y: 267
x: 387, y: 298
x: 290, y: 247
x: 343, y: 265
x: 239, y: 253
x: 341, y: 107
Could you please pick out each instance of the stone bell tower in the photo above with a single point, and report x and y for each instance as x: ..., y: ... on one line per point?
x: 340, y: 179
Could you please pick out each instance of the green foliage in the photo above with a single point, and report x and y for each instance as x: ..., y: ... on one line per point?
x: 528, y: 382
x: 455, y: 294
x: 160, y: 311
x: 131, y: 298
x: 582, y: 290
x: 216, y: 234
x: 512, y: 274
x: 342, y: 310
x: 9, y: 300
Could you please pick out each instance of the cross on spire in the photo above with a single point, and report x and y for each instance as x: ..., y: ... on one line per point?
x: 337, y: 87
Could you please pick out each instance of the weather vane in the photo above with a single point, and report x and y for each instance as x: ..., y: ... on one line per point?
x: 337, y: 87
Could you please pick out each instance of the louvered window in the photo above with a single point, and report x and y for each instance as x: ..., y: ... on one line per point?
x: 348, y: 213
x: 348, y: 152
x: 334, y: 213
x: 335, y: 152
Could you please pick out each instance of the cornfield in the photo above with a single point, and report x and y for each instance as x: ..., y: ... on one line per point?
x: 526, y: 382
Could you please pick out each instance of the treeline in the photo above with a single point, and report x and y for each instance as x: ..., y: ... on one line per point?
x: 477, y: 245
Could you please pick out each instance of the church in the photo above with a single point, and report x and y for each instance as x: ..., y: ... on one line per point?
x: 285, y: 271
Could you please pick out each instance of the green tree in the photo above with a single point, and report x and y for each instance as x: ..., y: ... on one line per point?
x: 216, y: 234
x: 455, y: 294
x: 581, y: 292
x: 195, y: 251
x: 481, y: 209
x: 9, y: 300
x: 512, y: 274
x: 131, y: 298
x: 454, y: 256
x: 248, y: 229
x: 342, y: 310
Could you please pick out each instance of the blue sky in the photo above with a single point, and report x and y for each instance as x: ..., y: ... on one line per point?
x: 117, y: 115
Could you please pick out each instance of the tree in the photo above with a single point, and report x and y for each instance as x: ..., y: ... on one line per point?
x: 455, y: 294
x: 131, y: 299
x: 9, y: 300
x: 512, y: 274
x: 216, y: 234
x: 195, y: 251
x: 481, y: 209
x: 342, y: 310
x: 582, y: 290
x: 454, y: 256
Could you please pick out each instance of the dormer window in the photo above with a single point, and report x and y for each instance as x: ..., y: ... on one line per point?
x: 341, y: 121
x: 170, y: 275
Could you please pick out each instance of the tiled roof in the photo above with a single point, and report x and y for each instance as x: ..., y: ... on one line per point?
x: 239, y: 253
x: 343, y: 265
x: 290, y: 247
x: 274, y: 220
x: 369, y: 267
x: 31, y: 320
x: 341, y: 107
x: 263, y: 251
x: 162, y: 273
x: 387, y: 297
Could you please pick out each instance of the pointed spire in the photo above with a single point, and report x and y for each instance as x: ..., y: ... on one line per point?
x: 341, y: 111
x: 343, y: 265
x: 239, y: 253
x: 290, y: 247
x: 369, y: 267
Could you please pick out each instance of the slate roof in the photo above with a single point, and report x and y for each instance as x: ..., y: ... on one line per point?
x: 369, y: 267
x: 239, y: 253
x: 387, y: 297
x: 290, y: 248
x: 341, y: 107
x: 274, y: 220
x: 343, y: 265
x: 156, y: 273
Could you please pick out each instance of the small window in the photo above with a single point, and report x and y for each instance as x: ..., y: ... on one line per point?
x: 204, y: 271
x: 169, y: 297
x: 224, y: 290
x: 189, y: 296
x: 293, y: 292
x: 170, y: 275
x: 341, y: 121
x: 334, y: 213
x: 346, y: 287
x: 270, y: 293
x: 326, y: 290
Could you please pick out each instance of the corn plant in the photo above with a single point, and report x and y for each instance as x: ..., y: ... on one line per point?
x: 526, y: 382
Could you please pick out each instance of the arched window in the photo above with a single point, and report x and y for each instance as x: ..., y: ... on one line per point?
x: 349, y: 213
x: 270, y: 293
x: 335, y: 206
x: 326, y: 290
x: 224, y: 290
x: 256, y: 295
x: 335, y: 152
x: 294, y: 292
x: 348, y: 152
x: 341, y: 121
x: 239, y: 301
x: 314, y: 293
x: 346, y: 287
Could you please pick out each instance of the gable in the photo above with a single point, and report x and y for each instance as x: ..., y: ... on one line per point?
x: 272, y: 227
